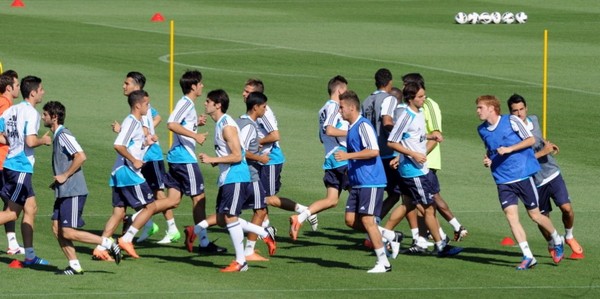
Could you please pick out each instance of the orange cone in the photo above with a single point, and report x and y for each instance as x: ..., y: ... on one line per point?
x: 507, y: 241
x: 15, y: 264
x: 18, y: 3
x: 157, y: 17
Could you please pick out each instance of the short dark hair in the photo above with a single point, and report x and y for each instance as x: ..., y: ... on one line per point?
x: 351, y: 97
x: 383, y: 76
x: 7, y: 79
x: 414, y: 77
x: 219, y: 96
x: 515, y: 99
x: 256, y: 83
x: 189, y: 78
x: 335, y: 82
x: 255, y: 98
x: 29, y: 84
x: 409, y: 92
x: 136, y: 96
x: 138, y: 78
x: 56, y: 109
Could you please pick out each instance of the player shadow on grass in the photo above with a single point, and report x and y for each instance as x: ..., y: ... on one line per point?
x: 46, y: 268
x: 487, y: 256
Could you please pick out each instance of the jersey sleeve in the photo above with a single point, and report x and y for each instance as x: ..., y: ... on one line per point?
x: 388, y: 106
x: 368, y: 137
x: 32, y: 124
x: 519, y: 127
x: 331, y: 114
x: 126, y: 133
x: 433, y: 116
x: 247, y: 134
x: 69, y: 144
x: 400, y: 127
x: 180, y: 111
x: 269, y: 121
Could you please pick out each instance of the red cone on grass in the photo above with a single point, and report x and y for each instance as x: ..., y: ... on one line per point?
x: 157, y: 17
x: 507, y: 241
x: 15, y: 264
x: 18, y: 3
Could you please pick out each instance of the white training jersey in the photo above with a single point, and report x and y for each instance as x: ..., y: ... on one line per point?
x: 183, y: 150
x: 329, y: 115
x: 19, y: 121
x: 229, y: 173
x: 132, y: 137
x: 410, y: 131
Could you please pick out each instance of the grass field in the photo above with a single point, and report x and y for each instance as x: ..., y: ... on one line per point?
x: 82, y: 50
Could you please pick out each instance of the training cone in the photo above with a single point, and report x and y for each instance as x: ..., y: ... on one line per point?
x: 15, y: 264
x: 576, y: 256
x: 508, y: 241
x: 18, y: 3
x: 157, y: 17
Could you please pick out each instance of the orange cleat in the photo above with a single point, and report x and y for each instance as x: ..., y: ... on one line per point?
x: 128, y: 247
x: 101, y: 255
x: 294, y: 227
x: 235, y: 267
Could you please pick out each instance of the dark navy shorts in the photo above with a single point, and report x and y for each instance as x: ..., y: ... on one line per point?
x: 255, y: 197
x: 154, y: 172
x: 509, y: 194
x: 555, y: 189
x: 17, y: 186
x: 270, y: 177
x: 68, y: 211
x: 230, y: 199
x: 337, y: 178
x: 137, y: 196
x: 422, y: 188
x: 366, y: 201
x: 186, y: 178
x: 393, y: 178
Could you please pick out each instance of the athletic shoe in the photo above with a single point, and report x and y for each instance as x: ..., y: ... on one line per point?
x: 127, y: 221
x: 380, y: 268
x: 13, y: 251
x: 527, y: 263
x: 270, y: 240
x: 101, y: 255
x: 115, y: 252
x: 551, y: 251
x: 190, y: 237
x: 460, y: 234
x: 558, y: 253
x: 170, y: 237
x: 575, y: 247
x: 449, y: 250
x: 395, y: 245
x: 147, y: 232
x: 314, y: 222
x: 415, y: 249
x: 128, y: 247
x: 235, y: 267
x: 294, y: 227
x: 255, y: 257
x: 212, y: 248
x: 70, y: 271
x: 35, y: 261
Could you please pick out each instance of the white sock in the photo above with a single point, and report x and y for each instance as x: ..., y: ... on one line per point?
x: 171, y: 226
x: 12, y: 240
x: 29, y: 253
x: 382, y: 257
x: 455, y: 224
x: 237, y: 239
x: 387, y: 234
x: 75, y: 265
x: 442, y: 234
x: 100, y: 247
x: 202, y: 233
x: 440, y: 245
x: 249, y: 249
x: 569, y: 233
x: 131, y: 232
x: 249, y: 227
x: 135, y: 215
x: 556, y: 238
x: 299, y: 208
x: 266, y: 222
x: 303, y: 216
x: 106, y: 243
x: 526, y: 250
x: 415, y: 233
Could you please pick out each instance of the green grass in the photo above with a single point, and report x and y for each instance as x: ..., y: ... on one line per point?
x: 83, y: 49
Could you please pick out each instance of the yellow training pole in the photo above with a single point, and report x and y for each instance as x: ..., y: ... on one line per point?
x: 171, y: 73
x: 545, y: 85
x: 1, y: 69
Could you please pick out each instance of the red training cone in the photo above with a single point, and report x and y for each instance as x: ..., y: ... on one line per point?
x: 507, y: 241
x: 15, y: 264
x: 157, y: 17
x: 18, y: 3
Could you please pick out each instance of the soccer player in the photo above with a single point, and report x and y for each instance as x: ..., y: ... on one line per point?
x: 270, y: 173
x: 379, y: 108
x: 548, y: 180
x: 409, y: 138
x: 332, y: 134
x: 433, y: 121
x: 233, y: 180
x: 70, y: 190
x: 20, y: 124
x: 9, y: 91
x: 512, y: 162
x: 367, y: 180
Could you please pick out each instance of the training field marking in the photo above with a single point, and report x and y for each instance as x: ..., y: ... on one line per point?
x: 303, y: 290
x: 267, y: 46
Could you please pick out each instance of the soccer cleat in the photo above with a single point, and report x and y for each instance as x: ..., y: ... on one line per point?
x: 170, y: 238
x: 35, y: 261
x: 190, y: 237
x: 527, y: 263
x: 13, y: 251
x: 449, y: 250
x: 294, y: 227
x: 395, y: 245
x: 314, y: 222
x: 147, y: 232
x: 128, y: 247
x: 235, y: 267
x: 380, y: 268
x: 255, y: 257
x: 270, y: 239
x: 127, y: 221
x: 415, y: 249
x: 70, y: 271
x: 212, y: 248
x: 460, y: 234
x: 115, y: 252
x: 101, y: 255
x: 558, y: 253
x: 575, y: 247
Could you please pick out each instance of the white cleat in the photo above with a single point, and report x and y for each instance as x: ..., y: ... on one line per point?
x: 379, y: 268
x: 314, y: 222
